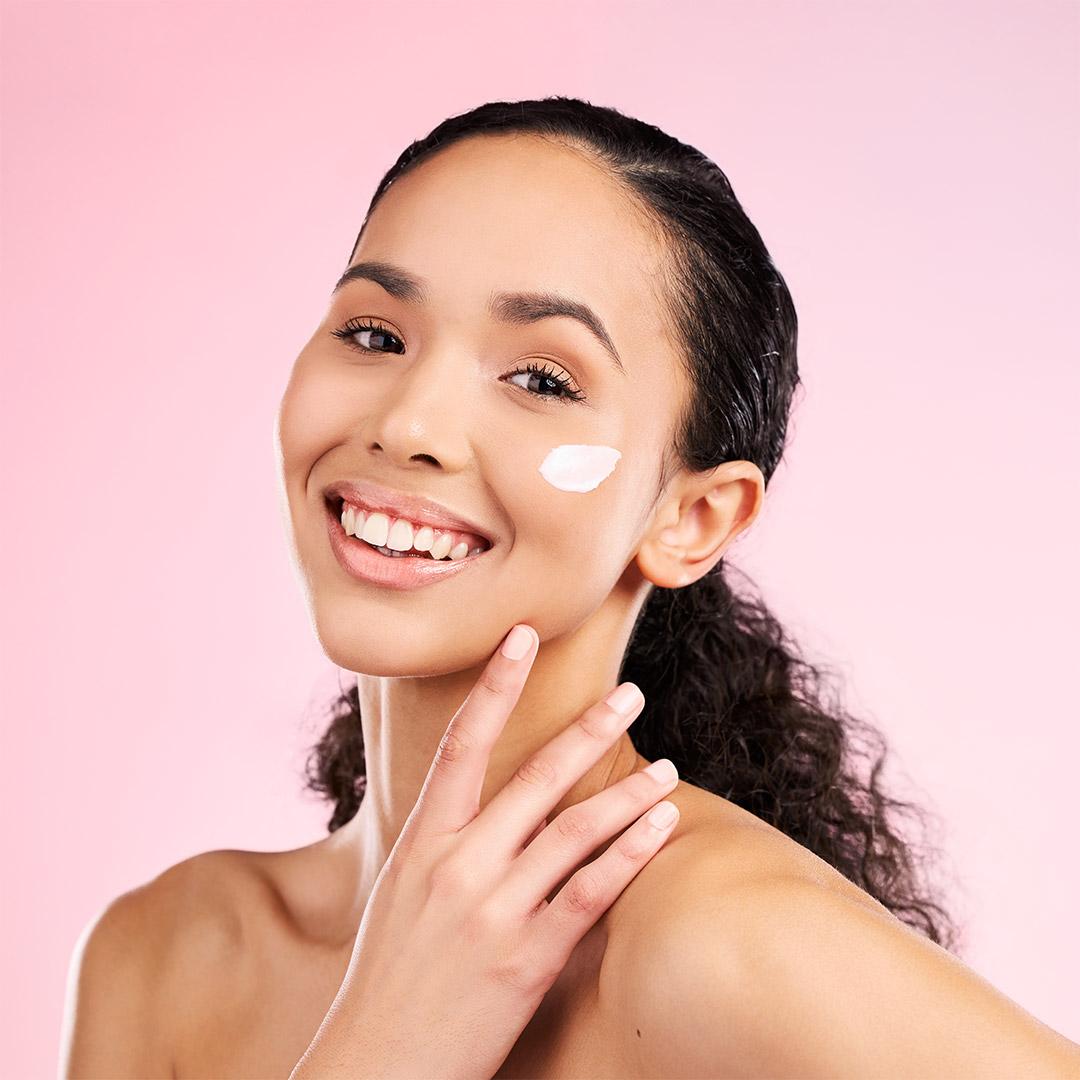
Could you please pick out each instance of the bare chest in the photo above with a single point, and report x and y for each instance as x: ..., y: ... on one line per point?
x: 255, y: 1012
x: 258, y: 1019
x: 257, y: 1015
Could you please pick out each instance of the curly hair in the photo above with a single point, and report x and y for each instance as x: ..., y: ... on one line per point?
x: 728, y: 697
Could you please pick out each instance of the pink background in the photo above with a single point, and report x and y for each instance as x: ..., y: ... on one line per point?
x: 181, y: 186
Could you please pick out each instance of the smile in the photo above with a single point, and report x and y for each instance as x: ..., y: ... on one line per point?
x: 394, y: 552
x: 399, y: 536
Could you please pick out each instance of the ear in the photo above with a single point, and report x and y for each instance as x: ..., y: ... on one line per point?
x: 696, y: 524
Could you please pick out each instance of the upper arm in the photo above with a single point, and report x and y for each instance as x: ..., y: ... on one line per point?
x: 787, y: 977
x: 110, y: 1024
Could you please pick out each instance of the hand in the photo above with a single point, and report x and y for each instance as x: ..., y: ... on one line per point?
x: 458, y: 943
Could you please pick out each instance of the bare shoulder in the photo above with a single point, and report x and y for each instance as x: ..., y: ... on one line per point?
x: 744, y: 954
x: 693, y: 914
x: 718, y: 854
x: 197, y: 910
x: 139, y: 961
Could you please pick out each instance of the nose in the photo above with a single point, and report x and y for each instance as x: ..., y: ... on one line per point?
x: 424, y: 411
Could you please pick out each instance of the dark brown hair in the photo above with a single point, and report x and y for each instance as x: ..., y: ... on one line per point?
x: 727, y: 696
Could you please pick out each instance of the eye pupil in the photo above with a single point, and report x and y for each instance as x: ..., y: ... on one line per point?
x: 376, y: 339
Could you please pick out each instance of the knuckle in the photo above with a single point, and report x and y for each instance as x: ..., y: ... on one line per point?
x: 482, y: 926
x: 494, y: 925
x: 575, y: 827
x: 584, y: 892
x: 513, y: 973
x: 492, y: 684
x: 492, y: 918
x: 449, y: 878
x: 632, y: 846
x: 522, y: 972
x: 453, y: 747
x: 536, y: 771
x: 641, y: 788
x: 600, y: 722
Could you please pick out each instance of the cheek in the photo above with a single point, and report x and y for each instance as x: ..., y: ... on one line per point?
x: 569, y: 501
x: 578, y: 467
x: 569, y: 506
x: 308, y: 416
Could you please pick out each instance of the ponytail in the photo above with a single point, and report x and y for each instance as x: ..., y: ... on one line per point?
x: 740, y: 713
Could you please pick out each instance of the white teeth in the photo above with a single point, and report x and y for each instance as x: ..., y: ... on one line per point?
x: 352, y: 521
x: 376, y: 529
x: 424, y: 538
x: 441, y: 548
x: 400, y: 538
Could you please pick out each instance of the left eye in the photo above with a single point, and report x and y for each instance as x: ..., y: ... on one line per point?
x: 564, y: 391
x: 377, y: 337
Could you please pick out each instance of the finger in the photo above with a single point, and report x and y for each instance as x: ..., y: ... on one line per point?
x: 450, y: 797
x: 547, y: 775
x: 536, y: 832
x: 595, y: 887
x: 580, y: 830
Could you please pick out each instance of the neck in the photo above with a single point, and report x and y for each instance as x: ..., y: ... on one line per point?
x: 404, y: 720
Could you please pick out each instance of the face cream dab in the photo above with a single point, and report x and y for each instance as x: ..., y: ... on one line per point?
x: 575, y: 467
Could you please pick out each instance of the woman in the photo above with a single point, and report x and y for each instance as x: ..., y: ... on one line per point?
x: 550, y: 389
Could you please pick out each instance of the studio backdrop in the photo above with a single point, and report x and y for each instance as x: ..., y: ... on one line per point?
x: 181, y: 186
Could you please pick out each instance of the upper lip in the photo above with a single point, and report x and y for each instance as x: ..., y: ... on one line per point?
x: 394, y: 503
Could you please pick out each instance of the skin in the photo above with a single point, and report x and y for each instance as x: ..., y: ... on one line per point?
x: 732, y: 936
x: 449, y: 420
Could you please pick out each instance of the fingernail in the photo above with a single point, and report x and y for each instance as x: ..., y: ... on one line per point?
x: 626, y: 698
x: 663, y: 771
x: 517, y: 643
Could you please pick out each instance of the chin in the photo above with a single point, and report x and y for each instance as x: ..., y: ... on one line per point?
x: 369, y: 641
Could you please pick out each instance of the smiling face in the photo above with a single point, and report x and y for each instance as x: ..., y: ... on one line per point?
x: 559, y: 466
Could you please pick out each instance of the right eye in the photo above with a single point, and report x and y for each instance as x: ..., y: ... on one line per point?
x: 377, y: 336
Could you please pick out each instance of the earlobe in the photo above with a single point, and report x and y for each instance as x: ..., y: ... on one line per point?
x: 663, y: 557
x: 663, y: 564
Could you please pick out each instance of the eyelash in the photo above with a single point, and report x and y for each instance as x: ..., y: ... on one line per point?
x: 567, y: 393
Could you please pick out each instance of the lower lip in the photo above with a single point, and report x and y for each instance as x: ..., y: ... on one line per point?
x: 361, y: 561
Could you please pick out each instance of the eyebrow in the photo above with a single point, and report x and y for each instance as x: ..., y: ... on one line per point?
x: 515, y: 308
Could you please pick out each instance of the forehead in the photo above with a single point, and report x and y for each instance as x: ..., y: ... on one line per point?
x: 519, y: 212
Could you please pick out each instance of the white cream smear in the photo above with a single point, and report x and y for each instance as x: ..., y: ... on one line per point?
x: 577, y: 467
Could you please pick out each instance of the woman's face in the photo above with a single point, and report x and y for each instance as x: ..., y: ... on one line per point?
x: 444, y: 409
